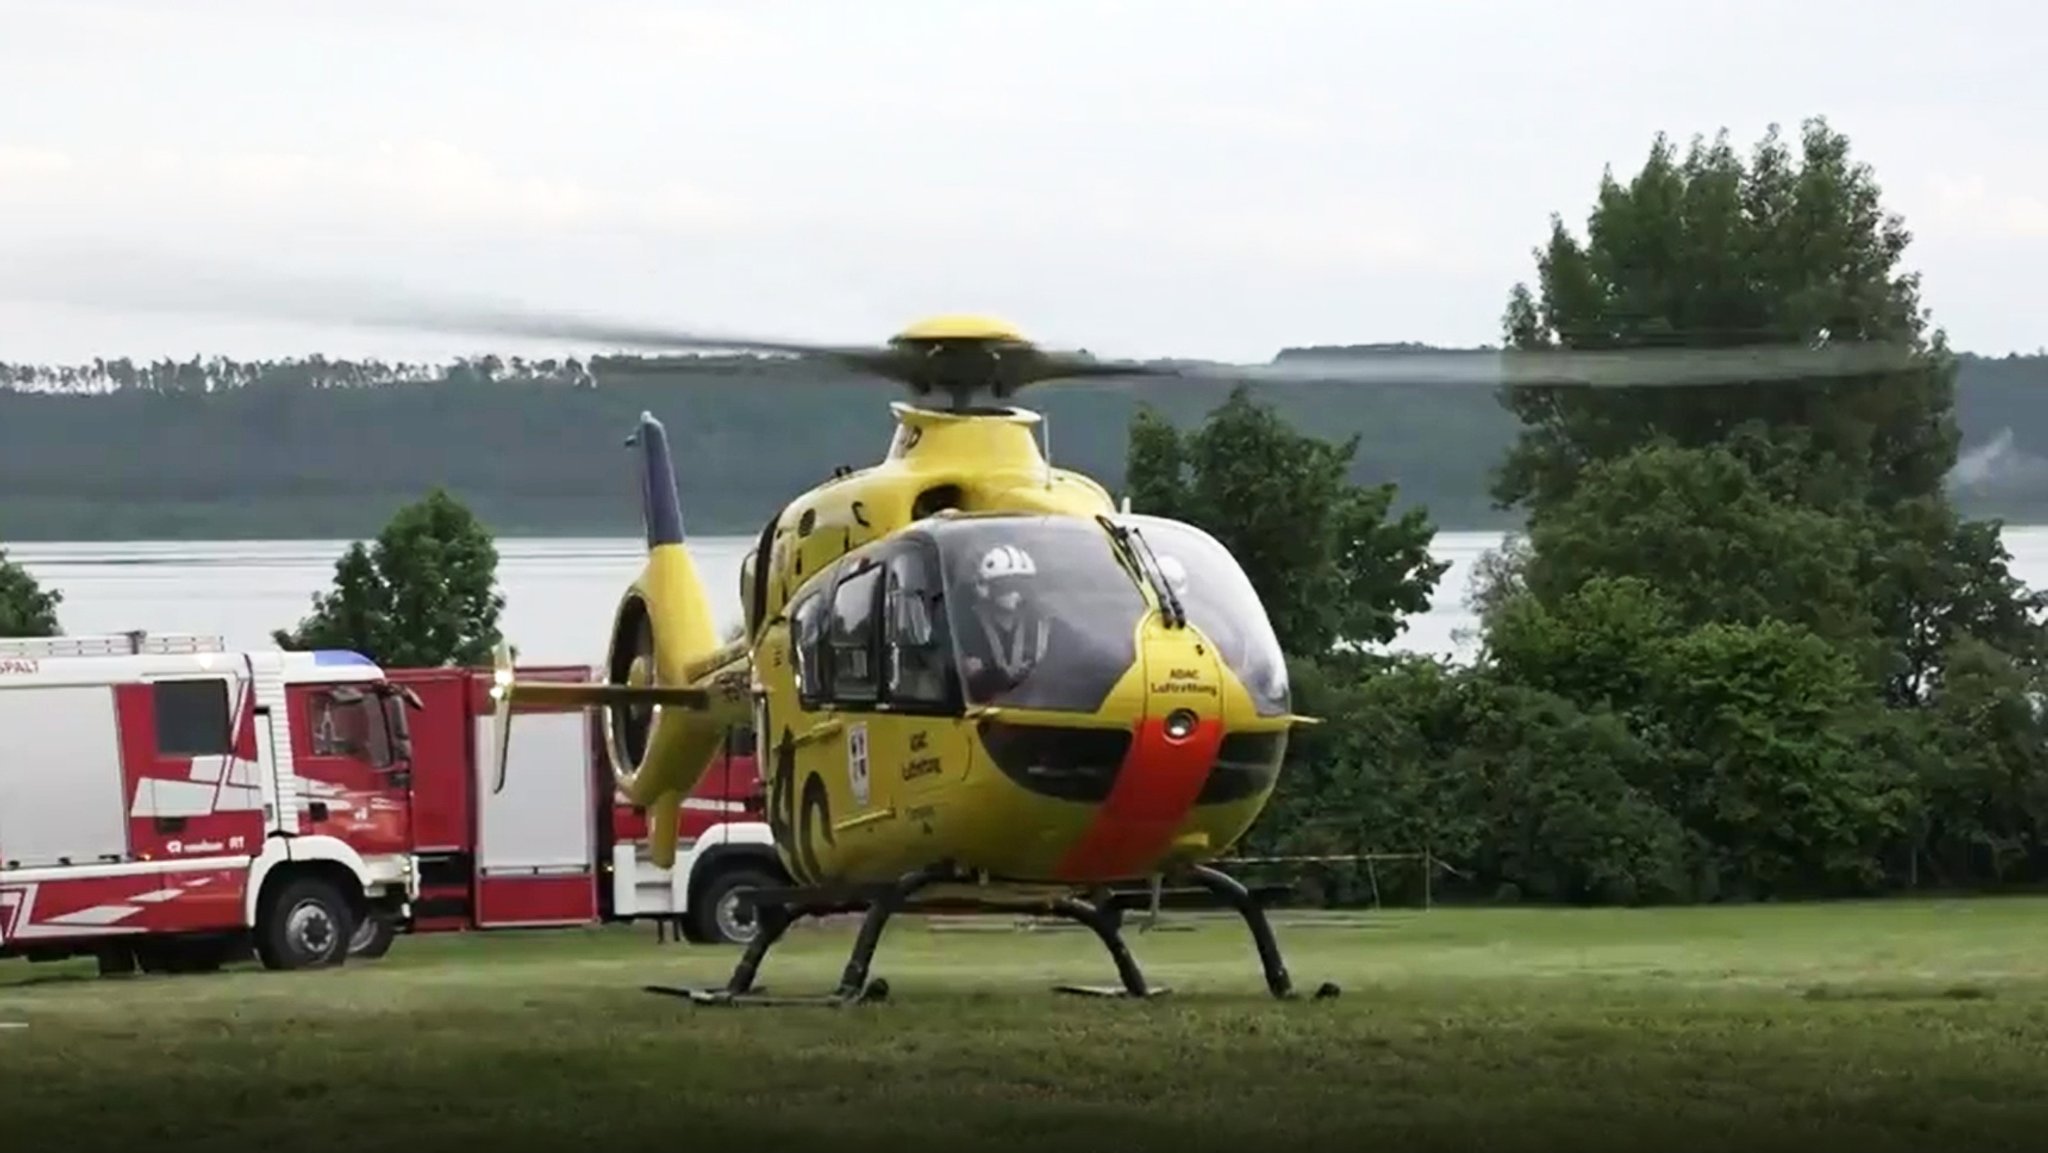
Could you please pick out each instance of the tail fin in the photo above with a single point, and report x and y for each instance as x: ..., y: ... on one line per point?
x: 673, y: 642
x: 661, y: 510
x: 665, y: 664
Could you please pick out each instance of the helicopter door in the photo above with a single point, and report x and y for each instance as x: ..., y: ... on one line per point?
x: 919, y: 682
x: 851, y: 679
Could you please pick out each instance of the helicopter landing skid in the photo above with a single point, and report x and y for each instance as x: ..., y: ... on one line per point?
x: 777, y: 910
x: 1112, y: 992
x: 1108, y: 928
x: 1233, y: 893
x: 876, y: 990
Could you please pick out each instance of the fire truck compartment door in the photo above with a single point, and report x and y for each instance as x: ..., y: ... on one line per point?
x: 61, y: 793
x: 536, y: 839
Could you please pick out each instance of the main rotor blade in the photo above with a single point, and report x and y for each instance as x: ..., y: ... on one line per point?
x: 124, y: 280
x: 129, y: 281
x: 1616, y: 368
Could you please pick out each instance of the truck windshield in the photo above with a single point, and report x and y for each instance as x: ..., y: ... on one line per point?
x: 1221, y: 602
x: 1042, y: 613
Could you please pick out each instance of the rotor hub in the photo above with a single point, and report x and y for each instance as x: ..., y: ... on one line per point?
x: 961, y: 356
x: 961, y: 327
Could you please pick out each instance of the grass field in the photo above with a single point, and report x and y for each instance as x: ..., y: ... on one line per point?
x: 1865, y: 1026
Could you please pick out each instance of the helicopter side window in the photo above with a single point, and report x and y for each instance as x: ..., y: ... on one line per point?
x: 917, y: 665
x: 851, y: 637
x: 807, y: 637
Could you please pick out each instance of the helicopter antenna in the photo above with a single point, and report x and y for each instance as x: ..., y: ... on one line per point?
x: 1045, y: 447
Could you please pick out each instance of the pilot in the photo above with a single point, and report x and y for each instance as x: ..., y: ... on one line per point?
x: 1013, y: 631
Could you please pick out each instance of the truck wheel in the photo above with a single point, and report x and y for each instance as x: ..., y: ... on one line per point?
x: 373, y: 937
x: 306, y: 926
x: 718, y: 916
x: 116, y: 961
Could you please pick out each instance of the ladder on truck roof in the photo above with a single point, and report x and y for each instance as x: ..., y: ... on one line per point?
x: 129, y: 644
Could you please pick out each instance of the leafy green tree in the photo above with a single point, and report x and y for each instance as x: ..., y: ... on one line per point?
x: 1699, y: 527
x: 1559, y: 796
x: 1757, y: 740
x: 1533, y: 795
x: 1821, y: 501
x: 1829, y: 670
x: 1330, y: 563
x: 1379, y: 775
x: 425, y: 594
x: 1983, y: 771
x: 26, y: 608
x: 1706, y: 251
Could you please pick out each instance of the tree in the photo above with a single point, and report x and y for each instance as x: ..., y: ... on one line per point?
x: 26, y: 608
x: 1326, y: 558
x: 1705, y: 252
x: 1832, y: 673
x: 424, y: 595
x: 1756, y: 736
x: 1846, y: 475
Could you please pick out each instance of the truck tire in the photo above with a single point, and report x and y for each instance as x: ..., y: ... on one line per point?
x: 306, y: 925
x: 373, y: 937
x: 716, y: 918
x: 117, y: 961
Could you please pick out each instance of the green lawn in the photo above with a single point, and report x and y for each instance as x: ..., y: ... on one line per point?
x: 1867, y: 1026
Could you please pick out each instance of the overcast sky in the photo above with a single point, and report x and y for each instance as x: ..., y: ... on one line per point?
x: 1171, y: 177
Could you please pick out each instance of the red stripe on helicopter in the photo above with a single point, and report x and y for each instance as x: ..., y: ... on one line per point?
x: 1154, y: 793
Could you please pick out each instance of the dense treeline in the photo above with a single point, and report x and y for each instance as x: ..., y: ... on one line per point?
x: 319, y: 448
x: 1747, y: 647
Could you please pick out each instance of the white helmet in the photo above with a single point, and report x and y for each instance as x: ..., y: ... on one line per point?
x: 1006, y: 560
x: 1004, y: 563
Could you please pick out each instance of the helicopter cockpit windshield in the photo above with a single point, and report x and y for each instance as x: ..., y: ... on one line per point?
x: 1221, y: 602
x: 1043, y: 614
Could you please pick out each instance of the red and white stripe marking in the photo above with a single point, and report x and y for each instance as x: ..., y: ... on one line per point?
x: 18, y: 920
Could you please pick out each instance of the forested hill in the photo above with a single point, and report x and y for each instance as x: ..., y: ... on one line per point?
x: 319, y: 448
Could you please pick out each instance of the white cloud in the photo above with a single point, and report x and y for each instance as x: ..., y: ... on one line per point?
x: 1191, y: 174
x: 402, y: 184
x: 23, y: 169
x: 1973, y: 206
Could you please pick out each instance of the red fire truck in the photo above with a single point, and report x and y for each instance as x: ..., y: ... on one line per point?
x: 171, y: 805
x: 557, y: 846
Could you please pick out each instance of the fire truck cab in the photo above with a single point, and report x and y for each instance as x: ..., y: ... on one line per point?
x: 165, y: 803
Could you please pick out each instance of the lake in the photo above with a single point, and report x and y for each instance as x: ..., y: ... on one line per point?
x: 560, y: 593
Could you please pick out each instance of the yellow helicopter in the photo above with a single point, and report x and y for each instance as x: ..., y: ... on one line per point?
x: 975, y: 681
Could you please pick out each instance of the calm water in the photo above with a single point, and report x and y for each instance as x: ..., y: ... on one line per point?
x: 559, y: 593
